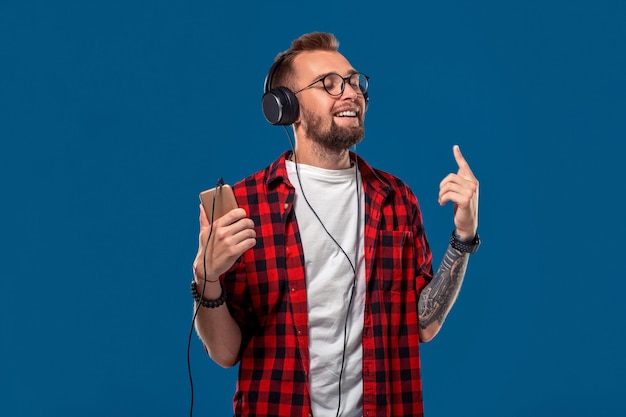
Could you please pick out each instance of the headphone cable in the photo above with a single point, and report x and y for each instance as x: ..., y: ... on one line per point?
x: 352, y: 265
x: 218, y: 185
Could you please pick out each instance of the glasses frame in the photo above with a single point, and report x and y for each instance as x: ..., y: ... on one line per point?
x: 343, y: 83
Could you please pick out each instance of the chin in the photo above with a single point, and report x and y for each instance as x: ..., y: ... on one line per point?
x: 335, y: 138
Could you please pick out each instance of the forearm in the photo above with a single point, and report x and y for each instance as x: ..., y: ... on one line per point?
x: 437, y: 298
x: 217, y: 329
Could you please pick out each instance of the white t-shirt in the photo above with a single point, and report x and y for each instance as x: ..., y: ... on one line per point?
x: 333, y: 196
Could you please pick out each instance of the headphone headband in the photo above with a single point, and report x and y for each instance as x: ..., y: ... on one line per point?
x: 267, y: 84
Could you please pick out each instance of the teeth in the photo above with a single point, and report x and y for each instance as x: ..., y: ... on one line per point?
x: 347, y: 113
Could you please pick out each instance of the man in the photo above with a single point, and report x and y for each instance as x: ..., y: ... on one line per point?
x: 320, y: 285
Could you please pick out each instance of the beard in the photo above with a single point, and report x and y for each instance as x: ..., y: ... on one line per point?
x: 337, y: 138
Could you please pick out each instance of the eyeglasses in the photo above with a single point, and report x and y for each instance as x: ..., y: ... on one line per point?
x: 334, y: 84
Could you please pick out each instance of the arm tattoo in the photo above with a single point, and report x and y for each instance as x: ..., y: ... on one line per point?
x: 437, y: 297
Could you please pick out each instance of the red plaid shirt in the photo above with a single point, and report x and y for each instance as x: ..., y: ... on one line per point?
x: 267, y: 297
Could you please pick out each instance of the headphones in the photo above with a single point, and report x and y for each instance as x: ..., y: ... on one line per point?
x: 280, y: 105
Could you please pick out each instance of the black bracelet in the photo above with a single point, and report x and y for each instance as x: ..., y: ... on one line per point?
x: 466, y: 247
x: 203, y: 301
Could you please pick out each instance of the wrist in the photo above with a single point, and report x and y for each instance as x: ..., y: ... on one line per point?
x: 465, y: 244
x: 207, y: 288
x: 206, y: 300
x: 201, y: 278
x: 464, y: 236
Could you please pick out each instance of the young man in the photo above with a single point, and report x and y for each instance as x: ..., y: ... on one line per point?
x: 320, y: 285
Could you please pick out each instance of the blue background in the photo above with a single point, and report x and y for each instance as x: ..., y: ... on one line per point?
x: 115, y: 114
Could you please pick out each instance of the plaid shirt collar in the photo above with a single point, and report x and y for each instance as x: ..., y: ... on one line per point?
x: 277, y: 173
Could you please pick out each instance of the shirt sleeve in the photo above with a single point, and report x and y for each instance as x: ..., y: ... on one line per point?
x: 423, y: 258
x: 239, y: 302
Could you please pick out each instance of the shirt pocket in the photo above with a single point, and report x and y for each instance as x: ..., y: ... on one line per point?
x: 397, y: 262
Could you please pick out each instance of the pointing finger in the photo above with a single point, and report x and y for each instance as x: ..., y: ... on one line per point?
x: 464, y: 167
x: 458, y: 156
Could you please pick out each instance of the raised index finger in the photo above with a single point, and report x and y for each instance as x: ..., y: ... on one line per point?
x: 464, y: 167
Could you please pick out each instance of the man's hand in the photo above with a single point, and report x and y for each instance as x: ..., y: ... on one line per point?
x: 462, y: 189
x: 232, y: 235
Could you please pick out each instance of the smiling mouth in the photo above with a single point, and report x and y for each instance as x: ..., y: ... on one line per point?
x: 347, y: 113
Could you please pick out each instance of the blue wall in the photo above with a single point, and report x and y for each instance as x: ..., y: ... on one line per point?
x: 115, y: 114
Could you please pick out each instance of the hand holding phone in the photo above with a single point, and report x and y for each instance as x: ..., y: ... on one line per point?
x: 222, y: 250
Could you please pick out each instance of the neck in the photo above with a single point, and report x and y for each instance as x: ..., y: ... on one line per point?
x: 311, y: 153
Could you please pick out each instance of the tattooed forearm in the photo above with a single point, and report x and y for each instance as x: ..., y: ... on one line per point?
x: 437, y: 297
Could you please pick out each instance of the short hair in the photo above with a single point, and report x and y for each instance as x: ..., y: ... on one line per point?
x: 314, y: 41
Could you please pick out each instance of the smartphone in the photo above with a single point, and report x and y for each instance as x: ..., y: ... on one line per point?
x: 224, y: 198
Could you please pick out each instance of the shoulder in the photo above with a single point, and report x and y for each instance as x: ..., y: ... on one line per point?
x: 275, y: 170
x: 393, y: 181
x: 385, y: 181
x: 263, y: 182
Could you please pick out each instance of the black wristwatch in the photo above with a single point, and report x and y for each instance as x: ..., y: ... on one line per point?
x: 467, y: 247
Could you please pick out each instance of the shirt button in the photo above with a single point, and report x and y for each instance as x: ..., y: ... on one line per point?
x: 286, y: 206
x: 293, y: 289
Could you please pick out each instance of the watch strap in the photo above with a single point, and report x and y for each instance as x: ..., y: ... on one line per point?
x: 464, y: 246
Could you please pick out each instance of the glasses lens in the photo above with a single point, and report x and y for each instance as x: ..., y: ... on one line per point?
x: 333, y: 83
x: 359, y: 82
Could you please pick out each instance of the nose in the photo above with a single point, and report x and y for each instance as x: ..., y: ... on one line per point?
x: 349, y: 92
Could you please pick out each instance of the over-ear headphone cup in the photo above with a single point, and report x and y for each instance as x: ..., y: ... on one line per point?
x: 280, y: 106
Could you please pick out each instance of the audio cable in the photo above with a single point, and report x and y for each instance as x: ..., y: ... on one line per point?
x: 352, y: 265
x: 218, y: 185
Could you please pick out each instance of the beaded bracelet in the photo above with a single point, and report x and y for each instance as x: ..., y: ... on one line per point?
x: 203, y: 301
